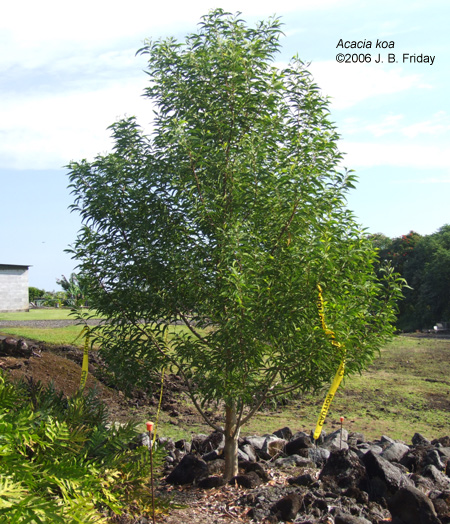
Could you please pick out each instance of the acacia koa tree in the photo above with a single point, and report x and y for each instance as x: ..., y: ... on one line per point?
x: 225, y: 220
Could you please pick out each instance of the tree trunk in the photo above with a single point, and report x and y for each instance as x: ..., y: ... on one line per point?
x: 231, y: 443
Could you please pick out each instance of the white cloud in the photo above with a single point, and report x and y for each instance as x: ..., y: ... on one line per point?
x: 389, y: 124
x: 69, y: 70
x: 349, y: 84
x: 367, y: 154
x: 431, y: 180
x: 48, y: 132
x: 32, y: 22
x: 437, y: 126
x: 81, y: 58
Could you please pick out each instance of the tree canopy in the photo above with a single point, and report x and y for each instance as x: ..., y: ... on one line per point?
x: 424, y: 262
x: 225, y: 220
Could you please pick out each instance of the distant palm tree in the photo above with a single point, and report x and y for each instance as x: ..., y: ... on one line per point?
x: 74, y: 289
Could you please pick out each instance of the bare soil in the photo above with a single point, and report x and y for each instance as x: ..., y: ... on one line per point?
x: 62, y: 367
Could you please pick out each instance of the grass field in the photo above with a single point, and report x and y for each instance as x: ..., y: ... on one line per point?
x: 405, y: 390
x: 38, y: 314
x: 55, y: 335
x: 64, y: 336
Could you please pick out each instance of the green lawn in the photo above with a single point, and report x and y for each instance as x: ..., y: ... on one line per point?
x: 38, y: 314
x: 405, y: 390
x: 58, y: 336
x: 65, y: 336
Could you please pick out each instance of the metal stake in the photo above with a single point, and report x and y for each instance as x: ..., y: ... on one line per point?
x: 342, y: 423
x: 150, y: 430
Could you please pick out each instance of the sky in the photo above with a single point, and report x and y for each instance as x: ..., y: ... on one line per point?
x: 68, y: 70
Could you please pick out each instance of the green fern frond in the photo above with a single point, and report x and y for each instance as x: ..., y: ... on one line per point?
x: 11, y: 492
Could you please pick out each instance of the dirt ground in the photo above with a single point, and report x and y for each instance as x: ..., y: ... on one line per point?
x: 62, y: 367
x: 58, y: 366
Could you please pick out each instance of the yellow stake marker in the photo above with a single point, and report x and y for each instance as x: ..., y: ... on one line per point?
x: 85, y: 365
x: 339, y: 374
x: 150, y: 429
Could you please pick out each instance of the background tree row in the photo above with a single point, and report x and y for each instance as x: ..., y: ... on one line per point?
x: 424, y: 262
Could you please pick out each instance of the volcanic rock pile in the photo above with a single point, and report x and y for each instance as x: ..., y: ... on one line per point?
x: 342, y: 479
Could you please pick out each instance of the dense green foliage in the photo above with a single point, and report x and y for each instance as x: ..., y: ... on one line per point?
x: 74, y: 289
x: 73, y: 293
x: 227, y: 219
x: 424, y: 262
x: 60, y: 462
x: 34, y: 293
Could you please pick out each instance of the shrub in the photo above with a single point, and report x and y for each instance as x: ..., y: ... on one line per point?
x: 34, y: 293
x: 61, y: 462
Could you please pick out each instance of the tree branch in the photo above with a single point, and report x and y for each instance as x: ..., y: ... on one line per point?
x: 263, y: 397
x: 198, y: 407
x: 238, y: 421
x: 200, y: 194
x: 285, y: 227
x: 191, y: 328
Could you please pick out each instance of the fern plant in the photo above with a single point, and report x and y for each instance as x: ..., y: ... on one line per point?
x: 61, y: 462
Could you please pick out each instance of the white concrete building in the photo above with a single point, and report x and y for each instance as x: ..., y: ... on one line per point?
x: 13, y: 288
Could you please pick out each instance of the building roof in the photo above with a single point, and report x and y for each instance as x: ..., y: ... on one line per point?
x: 13, y: 266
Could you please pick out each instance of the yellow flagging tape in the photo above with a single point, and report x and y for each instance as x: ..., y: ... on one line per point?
x: 85, y: 365
x: 339, y: 373
x: 159, y: 406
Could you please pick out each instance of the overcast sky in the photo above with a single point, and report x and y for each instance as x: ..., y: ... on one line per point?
x: 69, y: 70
